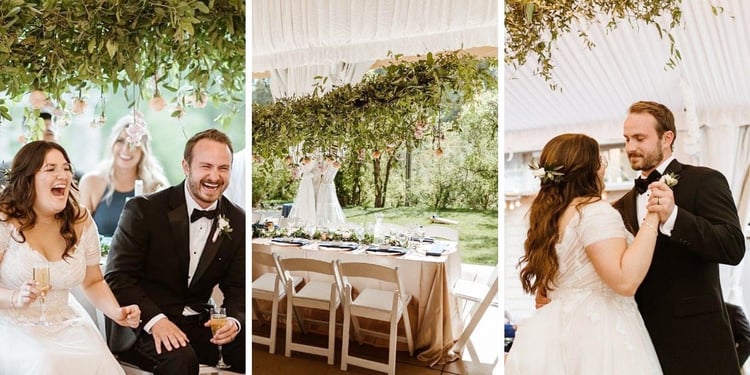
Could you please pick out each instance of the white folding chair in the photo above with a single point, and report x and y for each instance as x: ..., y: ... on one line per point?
x: 269, y: 287
x: 316, y: 294
x: 482, y: 296
x: 438, y: 231
x: 384, y: 305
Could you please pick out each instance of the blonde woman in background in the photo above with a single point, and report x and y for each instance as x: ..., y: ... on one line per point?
x: 105, y: 189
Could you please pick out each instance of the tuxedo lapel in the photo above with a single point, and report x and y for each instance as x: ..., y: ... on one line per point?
x: 210, y: 249
x: 178, y: 221
x: 630, y: 211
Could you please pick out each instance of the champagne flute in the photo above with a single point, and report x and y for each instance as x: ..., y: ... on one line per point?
x: 41, y: 277
x: 218, y: 319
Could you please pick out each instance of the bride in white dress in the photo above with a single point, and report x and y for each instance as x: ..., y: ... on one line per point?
x: 30, y: 232
x: 303, y: 209
x: 328, y: 208
x: 577, y: 249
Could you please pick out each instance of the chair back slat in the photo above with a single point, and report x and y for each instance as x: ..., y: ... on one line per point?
x: 306, y: 265
x: 262, y: 258
x: 372, y: 271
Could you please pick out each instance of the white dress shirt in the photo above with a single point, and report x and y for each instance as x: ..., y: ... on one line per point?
x: 642, y: 199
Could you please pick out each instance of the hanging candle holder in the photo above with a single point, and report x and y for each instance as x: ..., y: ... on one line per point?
x: 99, y: 120
x: 79, y: 104
x: 157, y: 103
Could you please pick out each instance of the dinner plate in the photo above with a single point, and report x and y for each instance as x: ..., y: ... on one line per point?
x: 290, y: 241
x: 338, y: 246
x: 392, y: 251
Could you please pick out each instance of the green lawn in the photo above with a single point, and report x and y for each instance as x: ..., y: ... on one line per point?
x: 477, y: 230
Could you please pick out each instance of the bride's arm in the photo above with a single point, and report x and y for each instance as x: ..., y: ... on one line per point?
x: 98, y: 292
x: 623, y: 267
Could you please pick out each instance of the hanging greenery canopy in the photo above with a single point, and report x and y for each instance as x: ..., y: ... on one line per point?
x: 397, y: 106
x: 533, y: 26
x: 195, y: 48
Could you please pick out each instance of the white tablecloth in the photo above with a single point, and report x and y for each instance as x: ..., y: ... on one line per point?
x: 436, y: 321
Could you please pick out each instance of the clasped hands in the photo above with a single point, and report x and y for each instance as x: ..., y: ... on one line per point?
x: 168, y: 334
x: 661, y: 200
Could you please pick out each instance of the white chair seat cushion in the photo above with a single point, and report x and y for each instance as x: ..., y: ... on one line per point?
x: 315, y: 293
x: 375, y: 304
x: 263, y: 286
x: 266, y: 283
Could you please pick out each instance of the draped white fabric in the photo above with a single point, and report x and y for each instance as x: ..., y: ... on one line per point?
x: 711, y: 82
x: 300, y: 80
x: 292, y: 33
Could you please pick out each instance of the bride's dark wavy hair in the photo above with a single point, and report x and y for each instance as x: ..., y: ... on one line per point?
x: 18, y: 196
x: 578, y: 157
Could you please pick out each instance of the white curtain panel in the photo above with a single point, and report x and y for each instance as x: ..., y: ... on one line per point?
x: 299, y: 81
x: 291, y: 33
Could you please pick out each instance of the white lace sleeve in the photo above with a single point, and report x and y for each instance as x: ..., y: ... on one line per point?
x: 601, y: 221
x: 90, y: 243
x: 5, y: 230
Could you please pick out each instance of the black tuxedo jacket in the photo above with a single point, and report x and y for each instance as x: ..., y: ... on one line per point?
x: 680, y: 299
x: 149, y: 255
x: 740, y: 330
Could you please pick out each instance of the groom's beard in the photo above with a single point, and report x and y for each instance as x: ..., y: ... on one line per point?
x: 648, y: 161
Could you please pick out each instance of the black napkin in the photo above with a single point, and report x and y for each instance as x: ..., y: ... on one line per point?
x: 295, y: 241
x: 425, y: 240
x: 340, y: 245
x: 390, y: 250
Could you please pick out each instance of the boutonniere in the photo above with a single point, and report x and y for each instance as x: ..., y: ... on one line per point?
x: 223, y: 226
x: 546, y: 173
x: 670, y: 179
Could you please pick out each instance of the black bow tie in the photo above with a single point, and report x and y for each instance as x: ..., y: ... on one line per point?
x: 197, y: 214
x: 641, y: 184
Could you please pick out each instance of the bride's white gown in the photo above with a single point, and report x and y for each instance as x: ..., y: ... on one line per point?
x: 304, y: 203
x: 586, y: 329
x: 329, y: 210
x: 71, y: 344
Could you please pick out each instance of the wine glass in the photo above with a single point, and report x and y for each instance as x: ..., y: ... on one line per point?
x: 41, y: 277
x: 420, y: 237
x: 218, y: 319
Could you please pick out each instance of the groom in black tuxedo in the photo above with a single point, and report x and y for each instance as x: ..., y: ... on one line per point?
x: 680, y: 299
x: 169, y: 251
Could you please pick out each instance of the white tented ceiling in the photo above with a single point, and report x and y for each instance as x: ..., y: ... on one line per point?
x: 293, y: 33
x: 710, y: 85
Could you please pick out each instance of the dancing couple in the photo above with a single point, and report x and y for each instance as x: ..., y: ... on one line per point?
x: 629, y: 288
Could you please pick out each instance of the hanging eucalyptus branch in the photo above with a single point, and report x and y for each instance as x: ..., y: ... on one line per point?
x: 533, y: 26
x: 62, y: 47
x: 387, y: 110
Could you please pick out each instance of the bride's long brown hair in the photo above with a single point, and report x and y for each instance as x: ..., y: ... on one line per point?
x: 18, y: 196
x: 577, y: 156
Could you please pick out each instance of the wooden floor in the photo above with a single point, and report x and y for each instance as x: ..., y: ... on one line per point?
x: 483, y: 360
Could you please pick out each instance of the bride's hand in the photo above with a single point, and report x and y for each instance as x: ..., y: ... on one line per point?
x: 26, y: 295
x: 129, y: 316
x: 541, y: 298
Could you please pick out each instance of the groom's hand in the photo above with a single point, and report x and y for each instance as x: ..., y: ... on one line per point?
x: 225, y: 334
x: 168, y: 334
x: 661, y: 200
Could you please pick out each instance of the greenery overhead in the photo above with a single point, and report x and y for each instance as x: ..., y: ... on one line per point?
x: 65, y: 47
x: 396, y: 106
x: 406, y: 116
x: 533, y: 26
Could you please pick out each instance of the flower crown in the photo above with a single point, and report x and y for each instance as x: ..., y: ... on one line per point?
x: 136, y: 131
x: 546, y: 173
